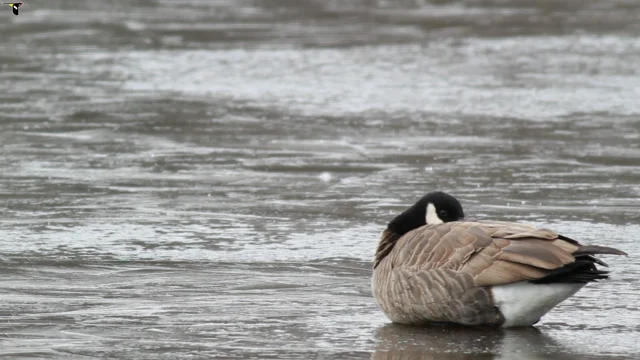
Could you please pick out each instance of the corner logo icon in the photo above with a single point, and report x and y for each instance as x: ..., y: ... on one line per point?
x: 15, y: 6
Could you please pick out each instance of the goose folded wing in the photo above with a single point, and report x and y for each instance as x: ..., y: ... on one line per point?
x: 518, y: 253
x: 492, y: 253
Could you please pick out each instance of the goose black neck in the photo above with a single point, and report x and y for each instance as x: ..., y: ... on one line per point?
x: 410, y: 219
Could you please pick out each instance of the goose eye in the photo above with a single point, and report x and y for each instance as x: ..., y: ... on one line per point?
x: 443, y: 213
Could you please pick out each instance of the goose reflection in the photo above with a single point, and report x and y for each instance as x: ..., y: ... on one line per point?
x: 398, y: 342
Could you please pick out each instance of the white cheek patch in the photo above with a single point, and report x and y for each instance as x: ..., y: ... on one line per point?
x: 432, y: 215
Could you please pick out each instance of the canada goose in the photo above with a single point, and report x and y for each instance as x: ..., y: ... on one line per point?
x: 15, y: 6
x: 432, y: 267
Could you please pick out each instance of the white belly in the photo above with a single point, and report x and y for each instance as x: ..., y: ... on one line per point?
x: 524, y: 303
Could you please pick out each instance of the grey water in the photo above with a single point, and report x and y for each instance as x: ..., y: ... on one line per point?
x: 207, y: 178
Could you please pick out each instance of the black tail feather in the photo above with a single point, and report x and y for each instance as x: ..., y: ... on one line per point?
x: 583, y: 270
x: 592, y: 259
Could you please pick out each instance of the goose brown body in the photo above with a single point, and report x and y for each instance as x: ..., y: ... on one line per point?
x: 446, y: 272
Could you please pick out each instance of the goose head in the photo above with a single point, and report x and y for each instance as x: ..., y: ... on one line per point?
x: 434, y: 208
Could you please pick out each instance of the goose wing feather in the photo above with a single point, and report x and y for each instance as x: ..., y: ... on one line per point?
x: 493, y: 253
